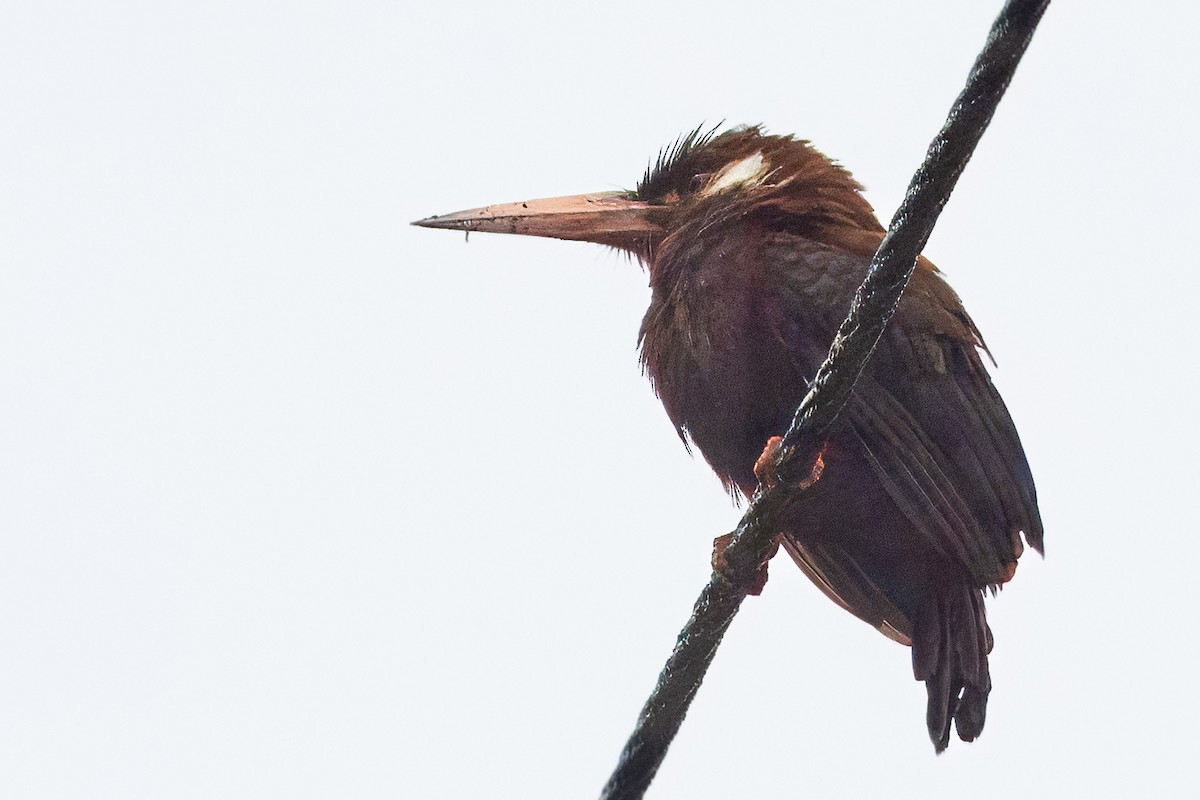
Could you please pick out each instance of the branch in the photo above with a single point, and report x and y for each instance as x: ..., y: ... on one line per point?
x: 873, y: 306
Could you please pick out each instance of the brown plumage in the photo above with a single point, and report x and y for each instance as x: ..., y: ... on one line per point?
x: 755, y: 245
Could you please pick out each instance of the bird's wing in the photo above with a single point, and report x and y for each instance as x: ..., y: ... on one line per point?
x: 952, y: 502
x: 941, y: 439
x: 929, y: 422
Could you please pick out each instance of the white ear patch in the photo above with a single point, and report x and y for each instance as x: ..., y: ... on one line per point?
x: 750, y: 170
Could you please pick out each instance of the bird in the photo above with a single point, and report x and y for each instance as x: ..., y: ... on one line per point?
x: 754, y: 244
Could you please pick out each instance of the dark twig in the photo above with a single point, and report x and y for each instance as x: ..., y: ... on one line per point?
x: 873, y: 306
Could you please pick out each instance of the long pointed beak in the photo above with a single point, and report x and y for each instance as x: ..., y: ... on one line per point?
x: 610, y: 218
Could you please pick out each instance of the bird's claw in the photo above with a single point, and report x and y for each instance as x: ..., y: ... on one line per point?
x: 765, y: 468
x: 721, y: 566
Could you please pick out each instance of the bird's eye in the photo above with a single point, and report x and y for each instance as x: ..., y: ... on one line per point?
x: 698, y: 181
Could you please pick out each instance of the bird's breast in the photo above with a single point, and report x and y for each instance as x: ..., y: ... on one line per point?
x: 713, y: 349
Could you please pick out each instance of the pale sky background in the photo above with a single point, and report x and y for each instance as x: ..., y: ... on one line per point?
x: 298, y: 501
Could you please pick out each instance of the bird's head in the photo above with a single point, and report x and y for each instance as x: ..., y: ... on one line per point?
x: 704, y: 181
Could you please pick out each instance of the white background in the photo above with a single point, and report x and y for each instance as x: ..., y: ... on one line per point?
x: 297, y: 501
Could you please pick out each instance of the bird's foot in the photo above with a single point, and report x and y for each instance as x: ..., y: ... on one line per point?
x: 721, y: 566
x: 765, y: 466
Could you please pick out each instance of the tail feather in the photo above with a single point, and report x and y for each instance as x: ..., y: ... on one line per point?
x: 951, y: 642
